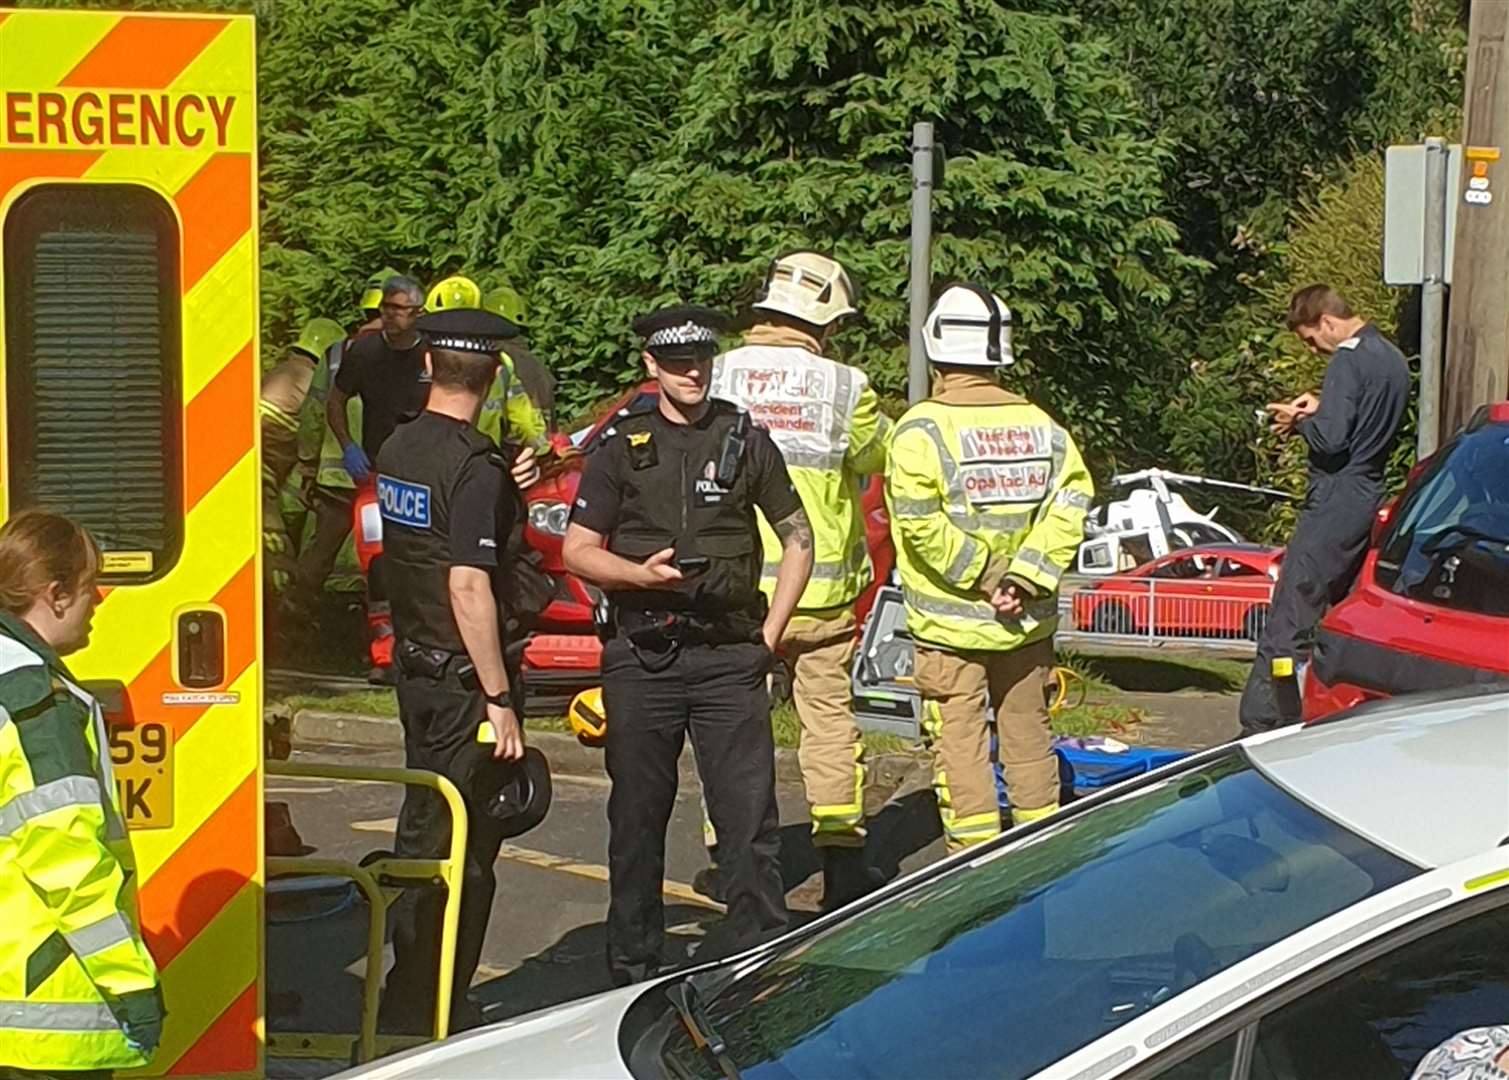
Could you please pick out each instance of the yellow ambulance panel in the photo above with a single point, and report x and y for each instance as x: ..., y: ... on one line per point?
x: 129, y: 353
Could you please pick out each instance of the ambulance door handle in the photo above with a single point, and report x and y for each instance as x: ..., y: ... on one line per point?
x: 199, y: 648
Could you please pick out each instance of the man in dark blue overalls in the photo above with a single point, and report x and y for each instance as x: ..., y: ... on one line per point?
x: 1350, y: 429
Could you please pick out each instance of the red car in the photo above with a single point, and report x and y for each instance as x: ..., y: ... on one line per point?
x: 1213, y: 591
x: 1430, y: 610
x: 564, y: 654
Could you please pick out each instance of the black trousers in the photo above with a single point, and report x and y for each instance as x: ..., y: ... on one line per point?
x: 440, y: 720
x: 718, y: 694
x: 1320, y: 564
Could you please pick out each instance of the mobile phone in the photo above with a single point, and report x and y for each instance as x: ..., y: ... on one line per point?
x: 692, y: 565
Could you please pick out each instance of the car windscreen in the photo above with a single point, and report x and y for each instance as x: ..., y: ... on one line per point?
x: 1001, y: 966
x: 1449, y: 544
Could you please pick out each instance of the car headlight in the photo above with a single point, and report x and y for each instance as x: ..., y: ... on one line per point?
x: 549, y: 516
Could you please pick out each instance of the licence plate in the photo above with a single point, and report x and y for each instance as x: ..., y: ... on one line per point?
x: 142, y: 758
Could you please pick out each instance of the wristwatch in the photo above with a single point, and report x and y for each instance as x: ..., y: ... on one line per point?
x: 502, y: 699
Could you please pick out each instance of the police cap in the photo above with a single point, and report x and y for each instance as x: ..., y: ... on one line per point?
x: 681, y: 333
x: 515, y: 795
x: 468, y: 330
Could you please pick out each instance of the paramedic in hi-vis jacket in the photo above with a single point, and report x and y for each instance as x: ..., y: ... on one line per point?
x: 79, y: 993
x: 825, y: 419
x: 987, y: 496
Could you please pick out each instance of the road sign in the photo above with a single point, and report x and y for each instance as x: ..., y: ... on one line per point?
x: 1404, y: 212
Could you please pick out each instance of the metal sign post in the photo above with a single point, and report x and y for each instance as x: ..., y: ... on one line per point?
x: 1432, y: 299
x: 922, y: 244
x: 1419, y: 224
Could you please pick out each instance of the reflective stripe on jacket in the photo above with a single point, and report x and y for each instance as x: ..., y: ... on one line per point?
x: 72, y: 947
x: 509, y: 408
x: 826, y: 420
x: 980, y: 478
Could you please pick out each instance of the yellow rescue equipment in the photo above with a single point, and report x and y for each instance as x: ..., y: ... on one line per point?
x: 588, y: 718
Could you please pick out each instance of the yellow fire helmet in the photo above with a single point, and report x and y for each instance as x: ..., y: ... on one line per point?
x: 505, y: 301
x: 589, y: 720
x: 317, y: 336
x: 372, y: 291
x: 454, y: 292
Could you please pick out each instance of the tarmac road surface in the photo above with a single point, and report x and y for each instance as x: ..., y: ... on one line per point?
x: 545, y: 942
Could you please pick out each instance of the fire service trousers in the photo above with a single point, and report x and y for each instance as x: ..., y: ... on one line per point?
x: 440, y: 719
x: 820, y: 648
x: 332, y: 524
x: 718, y: 694
x: 1319, y: 567
x: 957, y: 689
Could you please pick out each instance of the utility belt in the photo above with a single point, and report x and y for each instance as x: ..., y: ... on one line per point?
x: 665, y: 631
x: 426, y: 662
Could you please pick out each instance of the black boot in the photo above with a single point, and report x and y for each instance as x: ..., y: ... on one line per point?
x: 709, y: 883
x: 846, y: 877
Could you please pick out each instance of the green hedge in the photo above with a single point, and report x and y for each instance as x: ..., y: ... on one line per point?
x: 1120, y: 170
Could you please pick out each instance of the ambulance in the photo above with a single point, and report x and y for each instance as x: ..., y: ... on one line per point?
x: 129, y: 366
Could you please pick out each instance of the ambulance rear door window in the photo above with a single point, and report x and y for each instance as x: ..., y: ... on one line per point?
x: 92, y: 367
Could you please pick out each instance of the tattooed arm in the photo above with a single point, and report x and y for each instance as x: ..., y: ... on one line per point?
x: 795, y: 532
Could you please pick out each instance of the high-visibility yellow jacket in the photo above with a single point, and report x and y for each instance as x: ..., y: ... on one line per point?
x: 826, y: 420
x: 982, y: 483
x: 508, y: 407
x: 73, y: 965
x: 316, y: 441
x: 285, y: 389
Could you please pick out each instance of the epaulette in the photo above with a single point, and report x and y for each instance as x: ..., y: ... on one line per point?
x: 626, y: 416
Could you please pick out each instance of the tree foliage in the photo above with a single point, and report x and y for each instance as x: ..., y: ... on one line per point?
x: 1124, y: 172
x: 611, y: 156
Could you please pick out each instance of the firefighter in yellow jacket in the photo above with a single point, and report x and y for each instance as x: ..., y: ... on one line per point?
x: 79, y: 991
x: 331, y: 490
x: 987, y: 496
x: 508, y: 414
x: 284, y: 391
x: 826, y: 420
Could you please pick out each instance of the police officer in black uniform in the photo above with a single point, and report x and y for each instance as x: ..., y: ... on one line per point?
x: 664, y: 522
x: 1350, y: 430
x: 447, y: 500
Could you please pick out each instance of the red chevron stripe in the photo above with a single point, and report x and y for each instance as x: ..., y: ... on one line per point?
x: 216, y: 206
x: 202, y: 876
x: 17, y: 166
x: 219, y: 425
x: 230, y: 1044
x: 144, y: 53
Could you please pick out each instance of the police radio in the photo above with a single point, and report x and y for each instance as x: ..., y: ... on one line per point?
x: 733, y: 450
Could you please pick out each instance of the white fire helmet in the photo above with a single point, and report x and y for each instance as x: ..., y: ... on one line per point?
x: 969, y: 326
x: 809, y: 287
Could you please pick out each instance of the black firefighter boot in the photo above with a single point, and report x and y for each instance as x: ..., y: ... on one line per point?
x: 846, y: 877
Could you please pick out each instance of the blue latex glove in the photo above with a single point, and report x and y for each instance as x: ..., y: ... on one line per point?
x: 357, y: 463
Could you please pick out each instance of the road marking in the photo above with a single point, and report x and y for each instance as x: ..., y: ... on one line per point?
x: 544, y: 861
x: 387, y: 825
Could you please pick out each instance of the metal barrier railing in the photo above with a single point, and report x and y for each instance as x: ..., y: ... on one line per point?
x: 1228, y: 612
x: 372, y: 880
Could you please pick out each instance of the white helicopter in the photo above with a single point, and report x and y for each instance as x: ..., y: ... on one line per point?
x: 1148, y: 522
